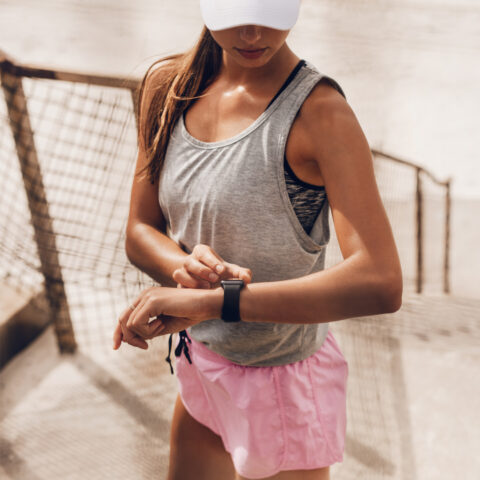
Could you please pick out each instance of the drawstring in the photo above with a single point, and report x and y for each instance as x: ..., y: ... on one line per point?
x: 182, y: 346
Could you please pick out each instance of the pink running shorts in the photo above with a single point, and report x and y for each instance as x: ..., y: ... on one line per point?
x: 285, y: 417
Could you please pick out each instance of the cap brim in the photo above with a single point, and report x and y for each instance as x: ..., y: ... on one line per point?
x: 222, y: 14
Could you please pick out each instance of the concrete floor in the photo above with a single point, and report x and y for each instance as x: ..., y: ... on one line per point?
x: 413, y: 402
x: 85, y: 415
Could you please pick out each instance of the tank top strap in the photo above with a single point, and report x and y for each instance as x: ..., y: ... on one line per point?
x: 292, y: 75
x: 298, y: 90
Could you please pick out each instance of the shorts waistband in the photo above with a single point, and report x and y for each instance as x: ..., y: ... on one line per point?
x: 202, y: 350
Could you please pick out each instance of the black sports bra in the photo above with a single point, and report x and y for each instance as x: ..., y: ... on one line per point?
x: 307, y: 199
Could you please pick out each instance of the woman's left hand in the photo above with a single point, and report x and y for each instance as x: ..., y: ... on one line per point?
x: 175, y: 308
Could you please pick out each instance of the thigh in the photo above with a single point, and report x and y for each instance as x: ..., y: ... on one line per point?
x: 196, y: 452
x: 315, y: 474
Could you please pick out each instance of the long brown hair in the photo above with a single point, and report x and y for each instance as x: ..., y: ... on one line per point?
x: 182, y: 78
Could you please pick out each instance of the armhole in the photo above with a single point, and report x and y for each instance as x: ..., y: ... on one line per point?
x: 298, y: 181
x: 333, y: 83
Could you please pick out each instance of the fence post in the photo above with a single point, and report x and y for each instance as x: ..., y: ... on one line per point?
x: 37, y: 201
x: 446, y: 259
x: 419, y: 212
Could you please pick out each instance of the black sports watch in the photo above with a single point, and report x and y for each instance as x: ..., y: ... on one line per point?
x: 231, y: 299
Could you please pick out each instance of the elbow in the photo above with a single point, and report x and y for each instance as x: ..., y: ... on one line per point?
x: 127, y: 251
x: 392, y: 292
x: 129, y: 247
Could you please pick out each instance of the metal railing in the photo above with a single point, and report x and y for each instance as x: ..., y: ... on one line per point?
x: 13, y: 74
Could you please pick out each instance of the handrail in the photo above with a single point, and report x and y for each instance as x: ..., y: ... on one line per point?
x: 13, y: 67
x: 12, y: 72
x: 419, y: 214
x: 413, y: 165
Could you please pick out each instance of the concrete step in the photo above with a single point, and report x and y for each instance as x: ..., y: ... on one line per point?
x: 20, y: 322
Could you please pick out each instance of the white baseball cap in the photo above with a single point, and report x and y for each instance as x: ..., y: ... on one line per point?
x: 279, y: 14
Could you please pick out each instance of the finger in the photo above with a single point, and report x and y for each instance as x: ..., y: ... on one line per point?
x: 129, y: 335
x: 159, y: 329
x: 149, y: 330
x: 129, y: 310
x: 246, y: 275
x: 157, y: 326
x: 171, y: 325
x: 129, y: 321
x: 243, y: 273
x: 117, y: 336
x: 234, y: 271
x: 125, y: 315
x: 189, y: 280
x: 140, y: 322
x: 209, y: 257
x: 132, y: 339
x: 198, y: 269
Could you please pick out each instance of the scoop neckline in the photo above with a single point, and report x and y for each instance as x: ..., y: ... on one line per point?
x: 227, y: 141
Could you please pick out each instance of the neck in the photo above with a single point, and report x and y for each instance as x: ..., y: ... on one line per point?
x: 278, y: 66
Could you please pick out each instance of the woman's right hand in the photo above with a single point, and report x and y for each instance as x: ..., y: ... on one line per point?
x: 204, y: 268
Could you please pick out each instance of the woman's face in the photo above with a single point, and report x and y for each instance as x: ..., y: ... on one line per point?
x: 250, y: 37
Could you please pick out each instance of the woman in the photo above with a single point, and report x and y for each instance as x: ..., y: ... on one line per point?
x: 260, y: 145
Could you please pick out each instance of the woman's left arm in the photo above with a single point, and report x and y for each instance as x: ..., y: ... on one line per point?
x: 369, y: 279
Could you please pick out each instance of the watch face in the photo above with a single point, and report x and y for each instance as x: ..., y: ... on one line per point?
x: 236, y: 281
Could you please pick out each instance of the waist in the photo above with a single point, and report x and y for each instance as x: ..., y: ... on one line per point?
x: 257, y: 344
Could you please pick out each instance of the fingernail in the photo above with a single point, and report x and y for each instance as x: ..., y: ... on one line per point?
x: 213, y: 276
x: 219, y: 268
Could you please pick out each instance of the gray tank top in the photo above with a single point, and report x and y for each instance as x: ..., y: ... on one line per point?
x: 232, y: 195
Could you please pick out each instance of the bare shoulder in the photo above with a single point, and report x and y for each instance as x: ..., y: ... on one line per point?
x: 324, y: 106
x: 342, y: 153
x: 331, y: 129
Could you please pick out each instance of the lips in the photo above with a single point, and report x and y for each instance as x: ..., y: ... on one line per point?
x: 251, y: 53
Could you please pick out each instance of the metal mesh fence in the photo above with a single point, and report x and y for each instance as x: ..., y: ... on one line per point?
x: 67, y: 162
x: 67, y: 158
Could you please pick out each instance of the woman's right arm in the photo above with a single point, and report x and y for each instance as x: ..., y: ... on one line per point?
x: 154, y: 253
x: 149, y: 248
x: 147, y: 245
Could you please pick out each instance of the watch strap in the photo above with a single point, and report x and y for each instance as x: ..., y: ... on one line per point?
x: 231, y: 299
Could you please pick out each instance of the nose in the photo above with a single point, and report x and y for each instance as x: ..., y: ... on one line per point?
x: 250, y: 33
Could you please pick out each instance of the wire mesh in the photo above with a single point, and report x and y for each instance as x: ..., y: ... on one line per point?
x: 62, y: 223
x: 85, y: 144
